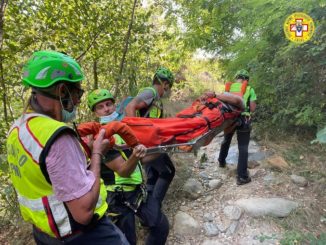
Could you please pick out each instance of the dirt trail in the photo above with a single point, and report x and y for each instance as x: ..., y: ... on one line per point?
x: 216, y: 216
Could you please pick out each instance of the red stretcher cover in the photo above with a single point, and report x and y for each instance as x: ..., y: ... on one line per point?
x: 188, y: 124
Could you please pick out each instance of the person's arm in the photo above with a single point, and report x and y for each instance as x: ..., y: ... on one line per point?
x: 71, y: 181
x: 134, y: 105
x: 252, y: 106
x: 126, y: 168
x: 82, y: 209
x: 142, y: 100
x: 252, y: 102
x: 231, y: 99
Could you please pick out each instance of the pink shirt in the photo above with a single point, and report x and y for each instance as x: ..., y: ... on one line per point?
x: 66, y: 165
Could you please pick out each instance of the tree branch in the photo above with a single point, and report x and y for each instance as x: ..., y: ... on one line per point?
x: 125, y: 50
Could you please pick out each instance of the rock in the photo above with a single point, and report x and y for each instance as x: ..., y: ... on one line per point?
x: 184, y: 208
x: 233, y: 228
x: 215, y: 184
x: 255, y: 173
x: 253, y: 147
x: 208, y: 199
x: 271, y: 179
x: 193, y: 188
x: 233, y: 155
x: 253, y: 164
x: 278, y: 162
x: 208, y: 217
x: 204, y: 175
x: 210, y: 229
x: 299, y: 180
x: 232, y: 170
x: 275, y: 207
x: 223, y: 176
x: 222, y: 223
x: 232, y: 212
x: 212, y: 242
x: 258, y: 156
x: 184, y: 224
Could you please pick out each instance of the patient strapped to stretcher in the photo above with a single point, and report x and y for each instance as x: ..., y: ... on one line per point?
x: 208, y: 113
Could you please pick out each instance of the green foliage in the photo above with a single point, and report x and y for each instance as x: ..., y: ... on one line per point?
x: 289, y: 79
x: 297, y: 237
x: 9, y: 210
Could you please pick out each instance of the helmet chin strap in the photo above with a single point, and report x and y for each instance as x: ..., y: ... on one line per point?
x: 66, y: 100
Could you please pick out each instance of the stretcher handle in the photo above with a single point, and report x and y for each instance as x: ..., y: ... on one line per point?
x: 157, y: 149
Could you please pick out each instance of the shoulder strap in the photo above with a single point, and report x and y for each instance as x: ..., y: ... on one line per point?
x: 228, y: 86
x: 244, y: 87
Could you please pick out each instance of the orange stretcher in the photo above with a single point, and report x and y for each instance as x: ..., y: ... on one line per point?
x: 192, y: 127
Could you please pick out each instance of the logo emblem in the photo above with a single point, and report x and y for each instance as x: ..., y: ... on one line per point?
x: 299, y: 27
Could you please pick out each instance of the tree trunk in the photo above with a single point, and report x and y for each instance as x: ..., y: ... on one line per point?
x: 125, y: 50
x: 2, y: 80
x: 95, y: 74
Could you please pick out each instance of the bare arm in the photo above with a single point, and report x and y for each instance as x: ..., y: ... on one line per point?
x: 134, y: 105
x: 82, y: 209
x: 252, y: 106
x: 231, y: 99
x: 125, y: 168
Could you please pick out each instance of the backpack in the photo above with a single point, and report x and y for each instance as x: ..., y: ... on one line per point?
x: 120, y: 108
x: 240, y: 93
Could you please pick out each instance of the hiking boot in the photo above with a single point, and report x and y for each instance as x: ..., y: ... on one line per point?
x: 243, y: 181
x: 222, y: 164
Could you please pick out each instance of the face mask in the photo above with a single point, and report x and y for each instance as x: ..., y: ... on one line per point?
x: 68, y: 116
x: 109, y: 118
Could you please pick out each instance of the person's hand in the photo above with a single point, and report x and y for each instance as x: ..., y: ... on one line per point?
x: 139, y: 151
x: 100, y: 145
x: 210, y: 94
x: 206, y: 95
x: 89, y: 140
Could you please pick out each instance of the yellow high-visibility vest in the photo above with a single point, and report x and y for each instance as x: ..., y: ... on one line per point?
x: 28, y: 143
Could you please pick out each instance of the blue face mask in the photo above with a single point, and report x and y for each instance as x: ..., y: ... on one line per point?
x: 109, y: 118
x: 68, y: 116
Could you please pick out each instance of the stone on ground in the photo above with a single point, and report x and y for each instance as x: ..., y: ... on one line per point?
x: 193, y: 188
x: 278, y: 162
x: 232, y: 212
x: 275, y: 207
x: 299, y: 180
x: 184, y: 224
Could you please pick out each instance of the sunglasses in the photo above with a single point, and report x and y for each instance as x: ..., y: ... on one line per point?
x: 75, y: 91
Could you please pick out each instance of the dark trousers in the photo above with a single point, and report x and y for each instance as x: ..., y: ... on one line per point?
x: 160, y: 173
x: 243, y: 137
x: 149, y: 213
x: 105, y: 232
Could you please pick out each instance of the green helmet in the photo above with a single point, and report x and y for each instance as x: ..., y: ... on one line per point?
x: 242, y: 74
x: 164, y: 73
x: 45, y: 68
x: 98, y: 96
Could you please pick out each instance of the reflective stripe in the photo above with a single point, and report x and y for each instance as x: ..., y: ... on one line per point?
x: 59, y: 212
x: 60, y: 216
x: 29, y: 142
x: 99, y: 202
x: 113, y: 188
x: 32, y: 204
x: 31, y: 145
